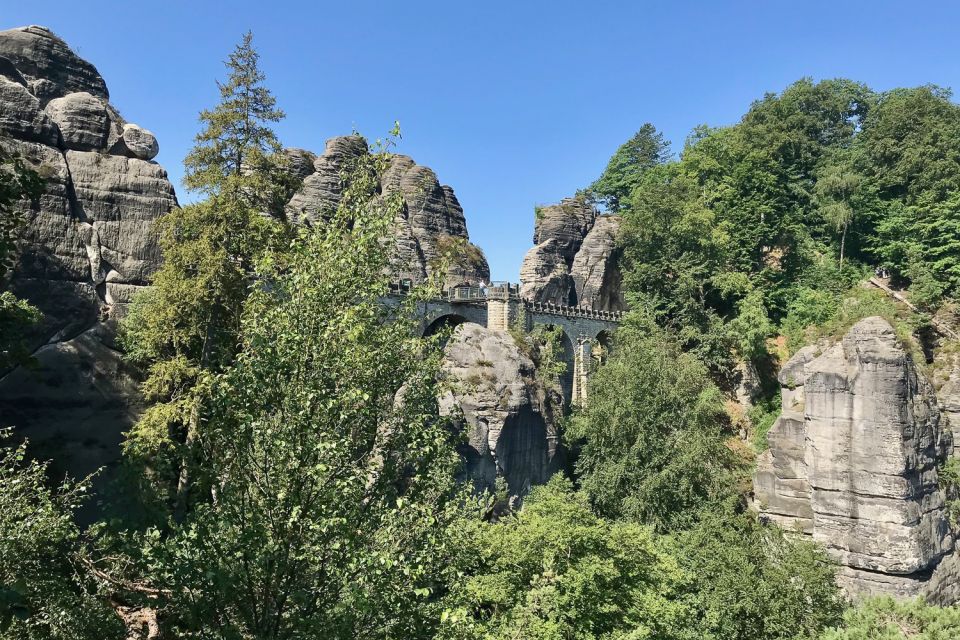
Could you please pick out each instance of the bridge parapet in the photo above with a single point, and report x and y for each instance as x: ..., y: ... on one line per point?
x: 574, y: 312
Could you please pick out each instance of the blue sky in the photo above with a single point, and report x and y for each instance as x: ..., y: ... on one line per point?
x: 511, y: 103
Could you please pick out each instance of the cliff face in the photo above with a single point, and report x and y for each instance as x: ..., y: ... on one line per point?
x: 87, y: 247
x: 853, y: 463
x: 574, y: 260
x: 431, y: 220
x: 510, y: 430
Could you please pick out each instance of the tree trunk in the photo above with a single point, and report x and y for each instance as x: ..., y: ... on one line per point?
x: 843, y: 241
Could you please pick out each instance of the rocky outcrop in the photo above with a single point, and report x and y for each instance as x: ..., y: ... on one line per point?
x: 87, y: 247
x: 574, y: 258
x: 510, y: 429
x: 430, y: 222
x: 947, y: 382
x: 48, y: 65
x: 853, y: 463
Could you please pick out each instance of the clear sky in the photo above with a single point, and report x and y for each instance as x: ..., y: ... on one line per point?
x: 513, y: 104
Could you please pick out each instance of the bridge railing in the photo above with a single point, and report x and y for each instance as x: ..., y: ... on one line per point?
x: 509, y: 291
x: 572, y: 311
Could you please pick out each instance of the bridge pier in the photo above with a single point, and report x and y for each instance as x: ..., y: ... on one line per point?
x: 503, y: 313
x: 582, y: 368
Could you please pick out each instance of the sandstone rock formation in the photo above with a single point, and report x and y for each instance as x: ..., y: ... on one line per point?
x: 87, y: 247
x: 574, y: 260
x: 508, y: 421
x: 853, y: 464
x: 430, y: 223
x: 947, y: 381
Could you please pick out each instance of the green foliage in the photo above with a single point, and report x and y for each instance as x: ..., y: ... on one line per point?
x: 763, y: 414
x: 331, y: 476
x: 653, y: 448
x: 752, y: 581
x: 822, y: 172
x: 185, y: 328
x: 45, y: 593
x: 237, y: 154
x: 817, y: 314
x: 646, y: 149
x: 949, y: 479
x: 883, y: 618
x: 548, y: 353
x: 555, y: 570
x: 17, y: 183
x: 674, y: 261
x: 17, y: 317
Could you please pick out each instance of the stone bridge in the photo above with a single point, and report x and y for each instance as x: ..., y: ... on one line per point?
x: 500, y: 307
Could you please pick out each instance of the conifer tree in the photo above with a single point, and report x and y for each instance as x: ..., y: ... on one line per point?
x: 185, y: 328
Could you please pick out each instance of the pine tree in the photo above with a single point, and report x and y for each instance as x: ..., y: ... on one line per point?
x: 185, y: 328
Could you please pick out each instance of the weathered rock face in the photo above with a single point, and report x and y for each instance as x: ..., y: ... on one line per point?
x: 510, y: 429
x: 87, y: 247
x: 853, y: 463
x: 48, y: 65
x: 430, y: 220
x: 574, y: 258
x: 947, y: 382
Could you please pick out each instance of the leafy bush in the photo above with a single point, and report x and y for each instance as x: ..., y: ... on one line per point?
x: 883, y: 618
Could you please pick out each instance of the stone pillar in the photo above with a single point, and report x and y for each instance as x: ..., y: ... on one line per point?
x: 502, y: 314
x: 582, y: 361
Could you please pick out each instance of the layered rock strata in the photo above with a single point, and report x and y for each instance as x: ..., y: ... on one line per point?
x: 504, y: 411
x: 574, y: 260
x: 429, y: 225
x: 853, y: 463
x: 87, y: 246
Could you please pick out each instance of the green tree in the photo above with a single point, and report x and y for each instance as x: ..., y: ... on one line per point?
x: 185, y: 328
x: 653, y: 449
x: 332, y: 476
x: 17, y: 183
x: 45, y: 591
x: 752, y: 581
x: 835, y: 188
x: 236, y: 155
x: 883, y: 618
x: 646, y: 149
x: 555, y: 570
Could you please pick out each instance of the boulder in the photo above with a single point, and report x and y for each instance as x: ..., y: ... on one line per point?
x: 83, y: 120
x: 38, y: 55
x: 136, y: 142
x: 545, y: 276
x: 511, y: 432
x: 853, y: 461
x: 22, y: 118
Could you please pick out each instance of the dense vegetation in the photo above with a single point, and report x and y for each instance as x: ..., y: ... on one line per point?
x: 293, y: 479
x: 767, y: 224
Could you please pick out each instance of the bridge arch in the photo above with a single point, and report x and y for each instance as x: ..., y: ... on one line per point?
x: 604, y: 340
x: 567, y: 356
x: 442, y: 322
